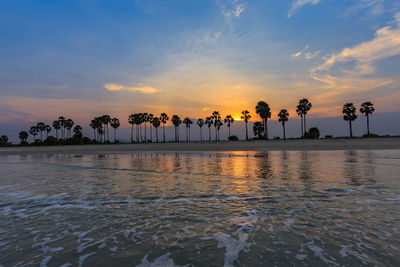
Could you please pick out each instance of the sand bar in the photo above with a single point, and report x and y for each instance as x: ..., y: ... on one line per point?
x: 271, y: 145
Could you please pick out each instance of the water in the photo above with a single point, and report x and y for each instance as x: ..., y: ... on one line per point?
x: 249, y: 209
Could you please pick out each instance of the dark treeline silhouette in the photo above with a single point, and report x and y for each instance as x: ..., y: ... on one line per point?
x: 66, y: 132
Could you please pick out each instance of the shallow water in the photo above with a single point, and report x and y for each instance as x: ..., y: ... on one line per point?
x: 243, y: 208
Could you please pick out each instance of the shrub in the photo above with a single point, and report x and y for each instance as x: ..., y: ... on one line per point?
x: 328, y: 136
x: 313, y: 133
x: 233, y: 138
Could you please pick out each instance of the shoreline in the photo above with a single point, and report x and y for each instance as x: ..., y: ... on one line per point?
x: 256, y: 146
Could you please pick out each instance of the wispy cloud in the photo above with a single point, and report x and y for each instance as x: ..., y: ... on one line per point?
x: 119, y: 87
x: 297, y: 4
x: 375, y: 7
x: 307, y: 55
x: 385, y: 44
x: 231, y: 8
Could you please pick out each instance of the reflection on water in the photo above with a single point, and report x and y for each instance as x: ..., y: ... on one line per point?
x: 281, y: 207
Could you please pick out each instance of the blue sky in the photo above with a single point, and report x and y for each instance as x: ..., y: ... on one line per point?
x: 87, y: 58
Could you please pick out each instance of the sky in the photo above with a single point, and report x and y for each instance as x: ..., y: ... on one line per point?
x: 86, y: 58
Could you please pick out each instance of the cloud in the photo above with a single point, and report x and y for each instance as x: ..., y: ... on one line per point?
x: 119, y: 87
x: 307, y: 55
x: 376, y: 7
x: 385, y: 44
x: 310, y: 55
x: 231, y: 8
x: 297, y: 4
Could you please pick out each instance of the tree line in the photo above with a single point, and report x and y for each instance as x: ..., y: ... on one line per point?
x: 68, y: 133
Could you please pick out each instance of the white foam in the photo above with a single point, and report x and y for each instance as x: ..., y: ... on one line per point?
x: 163, y: 260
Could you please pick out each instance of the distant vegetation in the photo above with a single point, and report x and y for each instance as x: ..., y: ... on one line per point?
x: 67, y: 133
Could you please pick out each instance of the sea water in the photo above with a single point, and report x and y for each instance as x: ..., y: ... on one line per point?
x: 335, y: 208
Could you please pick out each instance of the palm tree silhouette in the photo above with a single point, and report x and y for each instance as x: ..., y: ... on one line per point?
x: 209, y: 122
x: 200, y: 123
x: 47, y: 128
x: 41, y: 127
x: 131, y: 121
x: 156, y: 123
x: 283, y: 118
x: 176, y: 121
x: 145, y: 120
x: 69, y: 124
x: 303, y: 107
x: 150, y: 118
x: 23, y: 136
x: 188, y: 122
x: 34, y: 131
x: 219, y: 124
x: 366, y: 109
x: 163, y: 119
x: 245, y: 117
x: 77, y: 132
x: 264, y: 111
x: 114, y: 122
x: 62, y: 121
x: 349, y: 114
x: 229, y: 121
x: 106, y: 119
x: 217, y: 119
x: 56, y: 126
x: 258, y: 129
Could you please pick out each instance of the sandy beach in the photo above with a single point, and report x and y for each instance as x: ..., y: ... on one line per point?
x: 271, y: 145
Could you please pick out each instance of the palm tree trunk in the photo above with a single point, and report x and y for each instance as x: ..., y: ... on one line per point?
x: 157, y: 133
x: 115, y: 135
x: 201, y: 135
x: 41, y: 140
x: 151, y: 133
x: 209, y: 134
x: 351, y: 130
x: 247, y: 135
x: 266, y: 129
x: 189, y: 132
x: 216, y: 132
x: 368, y: 124
x: 229, y: 131
x: 284, y: 132
x: 305, y: 125
x: 108, y: 136
x: 132, y: 134
x: 145, y: 133
x: 57, y: 134
x: 163, y: 129
x: 302, y: 131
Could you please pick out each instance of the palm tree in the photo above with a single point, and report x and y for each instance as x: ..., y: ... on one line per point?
x: 4, y: 140
x: 229, y: 121
x: 283, y: 118
x: 56, y: 126
x: 34, y: 131
x: 150, y: 118
x: 23, y: 136
x: 47, y: 128
x: 245, y: 117
x: 69, y: 124
x: 258, y: 129
x: 131, y: 121
x: 367, y: 108
x: 41, y: 127
x: 77, y: 132
x: 209, y: 122
x: 188, y: 122
x: 219, y: 124
x: 303, y: 107
x: 217, y: 119
x: 93, y: 126
x: 176, y: 121
x: 163, y: 119
x: 300, y: 113
x: 106, y: 119
x: 145, y: 120
x: 349, y: 114
x: 156, y: 123
x: 264, y: 111
x: 62, y: 121
x: 200, y: 123
x: 115, y: 124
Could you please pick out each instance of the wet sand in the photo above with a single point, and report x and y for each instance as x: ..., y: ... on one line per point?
x: 333, y: 144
